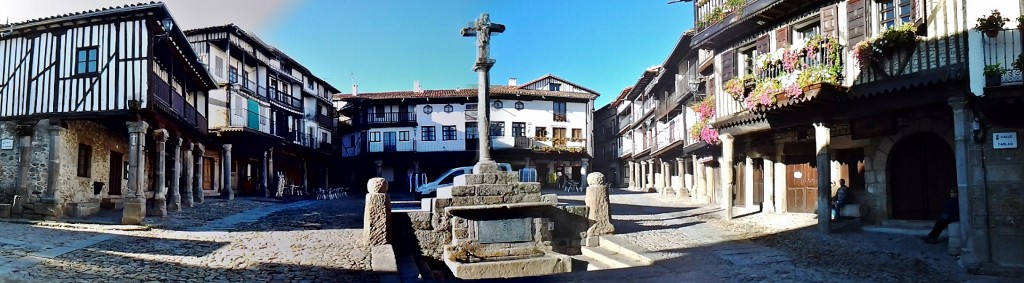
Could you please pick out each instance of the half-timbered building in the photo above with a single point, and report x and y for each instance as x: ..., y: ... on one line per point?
x: 88, y: 102
x: 272, y: 115
x: 888, y: 96
x: 545, y: 124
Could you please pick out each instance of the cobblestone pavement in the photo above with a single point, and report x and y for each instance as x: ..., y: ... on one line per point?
x: 692, y: 242
x: 307, y: 241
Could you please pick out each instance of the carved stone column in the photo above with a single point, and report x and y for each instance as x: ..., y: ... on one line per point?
x: 822, y: 142
x: 197, y: 186
x: 186, y: 174
x: 229, y: 192
x: 174, y: 190
x: 135, y: 199
x: 160, y: 176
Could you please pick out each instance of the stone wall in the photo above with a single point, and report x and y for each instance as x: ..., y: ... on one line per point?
x: 38, y: 164
x: 8, y: 163
x: 76, y: 189
x: 998, y: 183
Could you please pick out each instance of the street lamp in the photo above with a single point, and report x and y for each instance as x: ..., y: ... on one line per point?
x: 167, y: 24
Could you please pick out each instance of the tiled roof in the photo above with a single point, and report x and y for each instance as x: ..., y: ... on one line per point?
x: 501, y: 91
x: 556, y: 78
x: 622, y: 95
x: 83, y: 13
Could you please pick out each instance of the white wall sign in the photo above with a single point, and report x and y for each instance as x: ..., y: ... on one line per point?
x: 7, y: 144
x: 1004, y: 140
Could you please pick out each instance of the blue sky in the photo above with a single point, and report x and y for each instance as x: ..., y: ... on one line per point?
x: 385, y: 45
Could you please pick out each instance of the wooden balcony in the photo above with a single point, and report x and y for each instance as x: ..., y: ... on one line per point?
x: 720, y: 21
x: 173, y: 102
x: 930, y: 61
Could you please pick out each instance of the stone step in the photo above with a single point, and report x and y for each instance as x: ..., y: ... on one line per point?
x: 621, y: 246
x: 608, y: 258
x: 592, y: 264
x: 903, y: 227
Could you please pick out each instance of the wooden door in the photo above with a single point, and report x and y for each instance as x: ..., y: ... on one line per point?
x: 558, y: 137
x: 208, y: 173
x: 922, y: 171
x: 801, y: 188
x: 739, y: 189
x: 116, y: 173
x: 758, y: 181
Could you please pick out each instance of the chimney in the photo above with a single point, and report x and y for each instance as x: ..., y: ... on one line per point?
x: 512, y: 82
x: 416, y: 88
x: 355, y: 90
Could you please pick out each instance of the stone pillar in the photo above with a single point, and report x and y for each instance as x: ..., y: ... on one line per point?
x: 769, y: 185
x: 186, y: 174
x: 377, y: 214
x: 633, y: 179
x: 584, y: 163
x: 973, y: 215
x: 229, y: 191
x: 197, y: 185
x: 305, y: 176
x: 698, y: 178
x: 160, y: 176
x: 666, y: 173
x: 264, y: 167
x: 597, y: 201
x: 651, y: 173
x: 135, y: 199
x: 379, y: 165
x: 748, y: 182
x: 51, y: 204
x: 642, y: 186
x: 24, y: 162
x: 682, y: 190
x: 822, y: 141
x: 725, y: 168
x: 174, y: 191
x: 274, y: 181
x: 658, y: 166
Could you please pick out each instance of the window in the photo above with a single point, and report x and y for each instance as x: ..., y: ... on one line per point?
x: 498, y: 104
x: 449, y: 133
x: 559, y: 136
x: 449, y: 108
x: 520, y: 105
x: 555, y: 87
x: 402, y: 135
x: 219, y: 66
x: 471, y: 131
x: 374, y: 136
x: 802, y: 34
x: 88, y: 60
x: 427, y: 133
x: 541, y: 132
x: 894, y: 12
x: 577, y: 134
x: 497, y: 129
x: 233, y: 75
x: 559, y: 109
x: 309, y: 84
x: 518, y: 129
x: 428, y: 109
x: 84, y: 160
x: 748, y: 56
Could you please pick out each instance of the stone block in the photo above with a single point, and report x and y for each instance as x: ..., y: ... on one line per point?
x: 488, y: 190
x: 549, y: 263
x: 421, y: 220
x: 531, y: 198
x: 460, y: 233
x: 462, y: 191
x: 376, y: 219
x: 852, y: 210
x: 493, y: 200
x: 597, y: 201
x: 464, y: 201
x: 527, y: 188
x: 82, y: 209
x: 440, y: 204
x: 549, y: 198
x: 513, y: 198
x: 134, y: 211
x: 432, y: 240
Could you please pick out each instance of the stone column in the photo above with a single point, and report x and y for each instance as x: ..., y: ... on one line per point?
x: 135, y: 199
x: 658, y: 166
x: 160, y: 176
x: 24, y: 162
x: 174, y: 191
x: 748, y: 182
x: 769, y: 185
x: 186, y: 175
x: 651, y: 171
x: 643, y: 176
x: 597, y: 201
x: 682, y: 190
x: 197, y: 186
x: 264, y: 167
x: 698, y: 178
x: 973, y: 215
x: 229, y: 191
x: 273, y: 182
x: 377, y: 214
x: 51, y: 204
x: 666, y: 173
x: 632, y: 176
x: 584, y: 163
x: 726, y: 173
x: 822, y: 141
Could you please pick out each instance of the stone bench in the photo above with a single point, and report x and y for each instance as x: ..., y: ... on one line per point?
x: 5, y: 210
x: 852, y: 210
x: 81, y: 209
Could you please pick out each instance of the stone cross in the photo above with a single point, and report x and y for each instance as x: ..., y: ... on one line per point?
x: 482, y: 29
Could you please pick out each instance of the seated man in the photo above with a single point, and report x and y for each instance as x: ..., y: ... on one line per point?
x: 950, y: 214
x: 840, y: 199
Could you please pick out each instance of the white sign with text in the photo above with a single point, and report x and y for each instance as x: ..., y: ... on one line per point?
x: 1004, y: 140
x: 7, y: 144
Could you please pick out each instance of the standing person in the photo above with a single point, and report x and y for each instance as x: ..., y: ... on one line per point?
x: 840, y: 199
x: 950, y: 214
x: 560, y: 181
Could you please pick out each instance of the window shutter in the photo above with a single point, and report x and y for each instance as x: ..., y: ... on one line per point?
x: 763, y: 44
x: 711, y: 86
x: 829, y: 21
x: 728, y: 64
x: 782, y: 37
x: 857, y: 21
x: 916, y: 11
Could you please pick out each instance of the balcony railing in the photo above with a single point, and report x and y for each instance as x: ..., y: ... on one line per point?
x: 251, y: 86
x: 285, y: 98
x: 176, y: 103
x: 710, y: 12
x: 370, y: 118
x: 1005, y: 50
x: 325, y: 121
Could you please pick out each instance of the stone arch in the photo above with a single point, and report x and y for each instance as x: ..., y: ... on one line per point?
x: 879, y: 163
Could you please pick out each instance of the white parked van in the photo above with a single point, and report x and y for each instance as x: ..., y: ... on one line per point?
x: 448, y: 179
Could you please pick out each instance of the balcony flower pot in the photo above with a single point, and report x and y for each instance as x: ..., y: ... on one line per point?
x: 994, y: 75
x: 992, y: 33
x: 991, y: 24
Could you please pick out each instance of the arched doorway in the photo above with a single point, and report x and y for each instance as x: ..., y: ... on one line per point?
x: 922, y: 170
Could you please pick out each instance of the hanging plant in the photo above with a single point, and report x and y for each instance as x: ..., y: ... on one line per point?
x: 1019, y: 63
x: 991, y: 24
x: 885, y: 44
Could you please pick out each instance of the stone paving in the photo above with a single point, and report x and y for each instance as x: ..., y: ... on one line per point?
x: 692, y: 242
x: 247, y: 240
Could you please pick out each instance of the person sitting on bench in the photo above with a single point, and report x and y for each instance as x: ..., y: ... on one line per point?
x: 950, y: 214
x: 840, y: 199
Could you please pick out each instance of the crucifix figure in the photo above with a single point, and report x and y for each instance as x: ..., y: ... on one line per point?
x: 482, y: 29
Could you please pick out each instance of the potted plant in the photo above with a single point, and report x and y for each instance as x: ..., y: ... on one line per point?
x: 1019, y: 63
x: 991, y: 24
x: 1020, y: 22
x: 993, y: 74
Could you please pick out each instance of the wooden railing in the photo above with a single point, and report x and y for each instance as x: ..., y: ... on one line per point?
x: 932, y: 54
x: 176, y: 104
